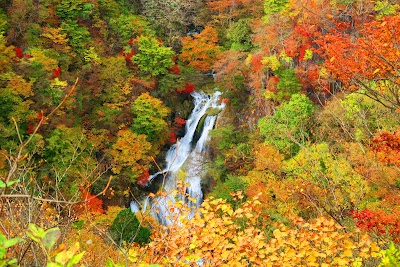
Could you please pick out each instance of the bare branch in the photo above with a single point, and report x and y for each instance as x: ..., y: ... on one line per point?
x: 55, y: 200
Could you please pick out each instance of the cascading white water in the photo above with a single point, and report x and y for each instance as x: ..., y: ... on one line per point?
x: 195, y: 165
x: 179, y: 152
x: 185, y: 153
x: 134, y: 206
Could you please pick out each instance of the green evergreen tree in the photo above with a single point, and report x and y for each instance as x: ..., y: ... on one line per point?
x: 126, y: 227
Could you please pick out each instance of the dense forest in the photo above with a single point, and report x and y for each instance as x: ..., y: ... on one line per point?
x: 303, y: 163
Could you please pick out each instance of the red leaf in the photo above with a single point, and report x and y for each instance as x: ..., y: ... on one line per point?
x: 57, y: 72
x: 175, y: 69
x: 180, y: 122
x: 130, y: 55
x: 172, y: 139
x: 275, y: 79
x: 91, y: 203
x: 378, y: 222
x: 187, y: 89
x: 132, y: 41
x: 18, y: 52
x: 30, y: 129
x: 143, y: 178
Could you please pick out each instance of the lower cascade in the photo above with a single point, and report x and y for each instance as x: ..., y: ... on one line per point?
x: 185, y: 159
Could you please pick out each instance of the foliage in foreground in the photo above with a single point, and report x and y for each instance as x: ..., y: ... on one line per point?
x: 219, y: 235
x: 46, y: 239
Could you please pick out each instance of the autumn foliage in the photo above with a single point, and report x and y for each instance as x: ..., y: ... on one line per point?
x: 201, y: 49
x: 57, y: 72
x: 143, y: 178
x: 221, y: 235
x: 93, y: 93
x: 379, y: 223
x: 372, y: 56
x: 175, y: 69
x: 387, y: 147
x: 18, y: 52
x: 90, y: 203
x: 180, y: 122
x: 187, y: 89
x: 172, y: 138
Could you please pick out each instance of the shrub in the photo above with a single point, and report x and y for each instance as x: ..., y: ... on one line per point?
x: 126, y: 227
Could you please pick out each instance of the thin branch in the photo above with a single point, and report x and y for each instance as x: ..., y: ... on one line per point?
x: 64, y: 99
x: 55, y: 200
x: 14, y: 162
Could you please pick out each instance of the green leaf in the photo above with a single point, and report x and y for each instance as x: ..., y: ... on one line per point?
x: 78, y: 225
x: 53, y: 264
x: 12, y: 242
x: 2, y: 239
x: 110, y: 263
x: 62, y: 257
x: 35, y: 233
x: 50, y: 237
x: 12, y: 182
x: 3, y: 253
x: 75, y: 259
x: 291, y: 121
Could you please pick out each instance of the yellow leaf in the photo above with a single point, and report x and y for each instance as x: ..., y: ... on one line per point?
x: 273, y: 258
x: 341, y: 262
x: 348, y: 253
x: 311, y: 259
x: 376, y: 71
x: 239, y: 211
x: 278, y: 234
x: 225, y: 255
x: 192, y: 199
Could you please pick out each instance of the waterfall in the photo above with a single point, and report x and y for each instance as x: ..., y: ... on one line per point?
x: 195, y: 169
x: 188, y: 156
